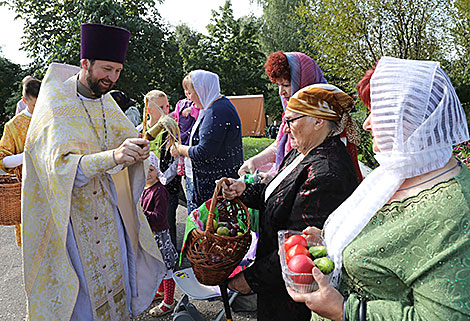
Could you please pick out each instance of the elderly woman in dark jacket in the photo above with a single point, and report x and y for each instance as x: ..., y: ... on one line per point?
x: 215, y: 144
x: 315, y: 177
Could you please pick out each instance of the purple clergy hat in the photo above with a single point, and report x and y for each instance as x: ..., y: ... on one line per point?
x: 102, y: 42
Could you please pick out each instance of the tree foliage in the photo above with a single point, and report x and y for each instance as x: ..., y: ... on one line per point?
x: 280, y: 31
x: 52, y: 34
x: 351, y: 35
x: 459, y: 65
x: 10, y: 88
x: 460, y: 30
x: 188, y: 40
x: 232, y: 50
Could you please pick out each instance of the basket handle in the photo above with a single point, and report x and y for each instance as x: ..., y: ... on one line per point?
x: 18, y: 173
x: 211, y: 216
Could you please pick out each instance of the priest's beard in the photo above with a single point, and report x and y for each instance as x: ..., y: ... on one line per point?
x: 98, y: 86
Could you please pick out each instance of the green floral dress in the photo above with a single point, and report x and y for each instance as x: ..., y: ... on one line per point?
x: 412, y: 260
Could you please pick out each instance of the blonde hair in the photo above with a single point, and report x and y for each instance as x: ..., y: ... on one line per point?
x: 155, y: 94
x: 188, y: 82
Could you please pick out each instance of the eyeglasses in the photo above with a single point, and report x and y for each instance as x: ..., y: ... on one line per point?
x: 288, y: 121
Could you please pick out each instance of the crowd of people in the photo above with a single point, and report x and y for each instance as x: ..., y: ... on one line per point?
x: 99, y: 201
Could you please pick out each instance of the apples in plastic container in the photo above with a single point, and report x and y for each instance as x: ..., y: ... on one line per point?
x: 297, y: 269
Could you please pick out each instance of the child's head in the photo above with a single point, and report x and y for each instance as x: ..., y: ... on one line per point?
x: 156, y: 98
x: 154, y: 174
x: 187, y: 84
x: 190, y: 92
x: 30, y: 92
x: 151, y: 176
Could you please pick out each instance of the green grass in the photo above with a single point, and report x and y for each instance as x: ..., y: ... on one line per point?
x: 253, y: 145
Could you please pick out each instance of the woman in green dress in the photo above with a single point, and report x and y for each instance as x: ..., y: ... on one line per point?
x: 405, y: 253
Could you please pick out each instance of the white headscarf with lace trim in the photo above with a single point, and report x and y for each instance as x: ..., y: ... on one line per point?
x: 416, y: 117
x: 207, y: 87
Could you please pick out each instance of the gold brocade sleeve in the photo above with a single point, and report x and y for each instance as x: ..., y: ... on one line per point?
x: 98, y: 163
x: 7, y: 147
x: 13, y: 138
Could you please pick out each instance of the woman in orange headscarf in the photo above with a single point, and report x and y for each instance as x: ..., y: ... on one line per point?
x: 314, y: 178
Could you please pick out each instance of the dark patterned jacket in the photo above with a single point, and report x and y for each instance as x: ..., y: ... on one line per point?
x: 314, y: 189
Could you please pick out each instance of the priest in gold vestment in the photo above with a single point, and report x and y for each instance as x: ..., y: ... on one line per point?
x: 88, y: 252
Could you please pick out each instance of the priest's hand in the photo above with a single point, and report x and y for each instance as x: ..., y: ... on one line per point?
x: 132, y: 150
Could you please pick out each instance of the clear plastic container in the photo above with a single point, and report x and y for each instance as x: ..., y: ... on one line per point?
x: 300, y: 282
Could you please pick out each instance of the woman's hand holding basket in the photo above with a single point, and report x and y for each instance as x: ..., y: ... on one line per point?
x: 238, y: 282
x: 232, y: 188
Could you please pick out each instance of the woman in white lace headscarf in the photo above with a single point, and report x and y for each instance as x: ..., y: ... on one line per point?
x: 215, y: 143
x: 400, y: 242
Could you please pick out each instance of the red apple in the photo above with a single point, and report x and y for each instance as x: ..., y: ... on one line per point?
x: 301, y: 264
x: 294, y: 240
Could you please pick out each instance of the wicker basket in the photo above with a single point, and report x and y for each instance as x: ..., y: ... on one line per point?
x: 10, y: 199
x: 214, y: 257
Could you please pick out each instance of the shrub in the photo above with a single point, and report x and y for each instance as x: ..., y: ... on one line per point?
x: 365, y: 154
x: 462, y: 152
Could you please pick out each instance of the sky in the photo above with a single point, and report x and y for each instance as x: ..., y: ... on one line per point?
x: 195, y: 14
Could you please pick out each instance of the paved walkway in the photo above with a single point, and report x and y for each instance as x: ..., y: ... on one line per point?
x: 13, y: 299
x: 12, y: 296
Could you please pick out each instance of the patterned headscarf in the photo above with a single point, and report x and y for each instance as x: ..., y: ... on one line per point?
x: 416, y: 117
x: 304, y: 71
x: 328, y: 102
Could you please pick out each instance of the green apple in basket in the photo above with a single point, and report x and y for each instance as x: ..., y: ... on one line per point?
x: 223, y: 231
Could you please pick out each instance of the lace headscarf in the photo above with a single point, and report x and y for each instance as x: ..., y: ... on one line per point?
x: 416, y: 117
